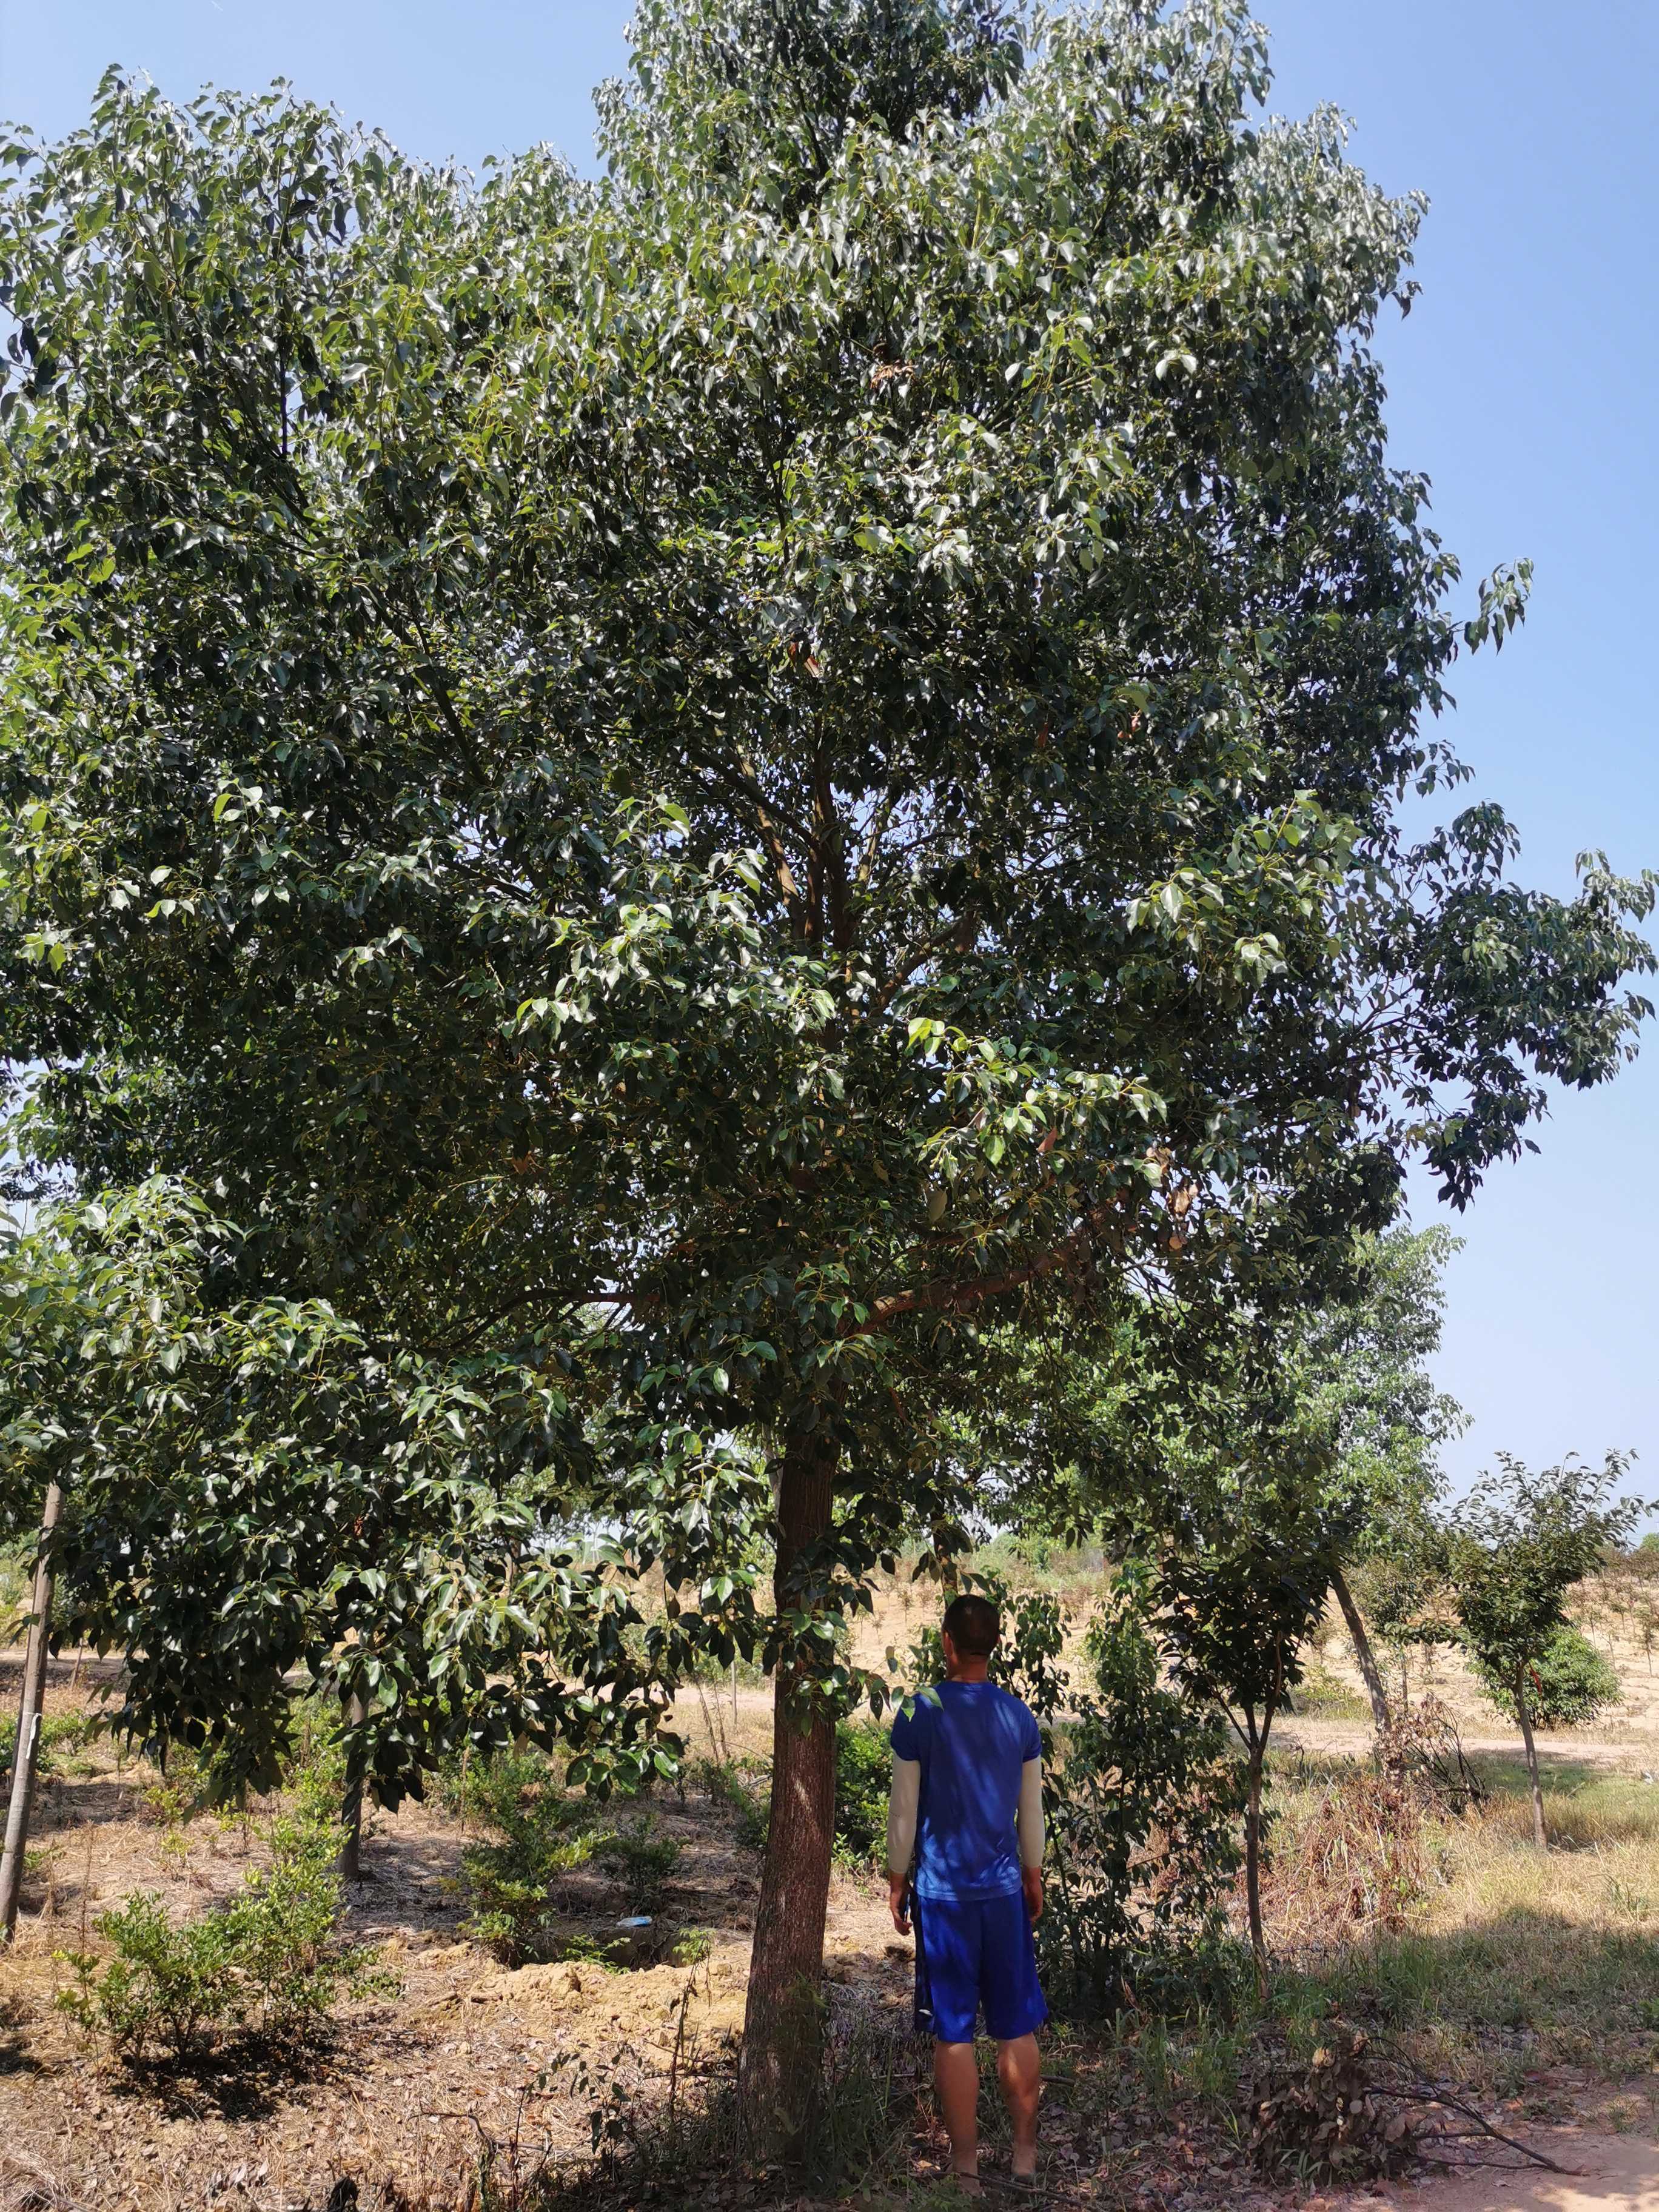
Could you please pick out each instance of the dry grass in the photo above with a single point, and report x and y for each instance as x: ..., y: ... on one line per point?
x: 1506, y: 1961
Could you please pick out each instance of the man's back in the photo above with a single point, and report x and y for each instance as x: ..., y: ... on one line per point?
x: 971, y: 1742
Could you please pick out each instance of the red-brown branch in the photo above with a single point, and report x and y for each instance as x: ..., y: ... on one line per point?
x: 960, y: 1297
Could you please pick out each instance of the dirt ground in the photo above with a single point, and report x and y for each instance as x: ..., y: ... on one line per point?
x: 469, y: 2057
x: 410, y: 2088
x: 1606, y: 2172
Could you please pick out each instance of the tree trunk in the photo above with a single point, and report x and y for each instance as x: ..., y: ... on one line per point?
x: 350, y: 1862
x: 26, y: 1759
x: 1362, y: 1650
x: 1258, y: 1744
x: 1538, y: 1835
x: 778, y: 2079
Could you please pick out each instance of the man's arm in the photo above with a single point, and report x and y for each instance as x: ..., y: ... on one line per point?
x: 1029, y: 1819
x: 902, y: 1806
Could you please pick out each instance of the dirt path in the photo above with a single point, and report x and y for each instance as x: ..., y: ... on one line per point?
x: 1625, y: 1753
x: 1611, y: 2174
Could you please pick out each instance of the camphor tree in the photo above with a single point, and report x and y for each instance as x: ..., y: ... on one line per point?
x: 1520, y: 1543
x: 725, y: 785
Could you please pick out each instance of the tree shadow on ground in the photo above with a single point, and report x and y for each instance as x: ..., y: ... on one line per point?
x: 15, y: 2056
x: 65, y: 1802
x: 407, y: 1874
x: 249, y: 2077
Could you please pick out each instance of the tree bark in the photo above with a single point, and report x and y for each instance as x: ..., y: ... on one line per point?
x: 1362, y: 1650
x: 350, y: 1863
x: 1537, y: 1834
x: 26, y: 1759
x: 778, y: 2078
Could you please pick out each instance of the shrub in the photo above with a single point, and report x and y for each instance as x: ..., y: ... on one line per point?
x: 1571, y: 1683
x: 511, y: 1882
x: 864, y: 1773
x: 63, y: 1735
x: 488, y: 1790
x: 167, y: 1983
x: 281, y: 1931
x: 643, y: 1860
x: 268, y: 1958
x: 192, y: 1780
x: 745, y: 1792
x: 1142, y: 1799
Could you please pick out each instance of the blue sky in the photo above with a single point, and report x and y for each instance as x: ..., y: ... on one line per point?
x: 1523, y: 383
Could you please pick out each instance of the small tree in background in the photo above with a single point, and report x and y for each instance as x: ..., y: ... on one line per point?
x: 1400, y: 1585
x: 1364, y: 1365
x: 1521, y: 1542
x: 1237, y: 1608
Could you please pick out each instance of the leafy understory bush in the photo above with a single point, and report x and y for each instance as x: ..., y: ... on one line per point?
x: 485, y: 1791
x: 1142, y: 1799
x: 643, y: 1860
x: 864, y: 1773
x: 744, y: 1790
x: 511, y: 1881
x: 269, y: 1959
x: 1569, y: 1683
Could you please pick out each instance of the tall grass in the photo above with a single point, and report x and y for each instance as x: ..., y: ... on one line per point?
x: 1507, y: 1957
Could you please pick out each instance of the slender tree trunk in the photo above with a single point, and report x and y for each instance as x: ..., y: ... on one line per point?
x: 26, y: 1759
x: 1257, y: 1740
x: 779, y: 2075
x: 1362, y: 1650
x: 1538, y: 1835
x: 350, y: 1861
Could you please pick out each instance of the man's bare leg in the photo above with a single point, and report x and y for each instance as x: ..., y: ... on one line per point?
x: 956, y: 2078
x: 1019, y: 2069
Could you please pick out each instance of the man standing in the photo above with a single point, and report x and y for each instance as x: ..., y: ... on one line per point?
x: 967, y: 1798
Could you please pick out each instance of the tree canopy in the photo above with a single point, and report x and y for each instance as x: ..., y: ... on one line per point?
x: 716, y: 785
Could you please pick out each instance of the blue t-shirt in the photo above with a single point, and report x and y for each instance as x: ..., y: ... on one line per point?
x: 971, y: 1745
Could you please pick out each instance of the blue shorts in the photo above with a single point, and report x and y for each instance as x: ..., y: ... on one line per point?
x: 974, y: 1952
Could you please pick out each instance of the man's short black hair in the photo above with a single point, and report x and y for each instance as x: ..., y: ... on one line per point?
x: 973, y: 1625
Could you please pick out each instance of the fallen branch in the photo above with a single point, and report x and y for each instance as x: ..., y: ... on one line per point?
x: 1425, y: 2093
